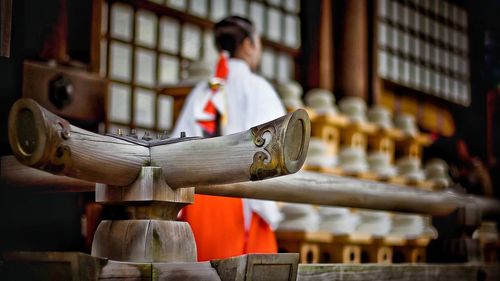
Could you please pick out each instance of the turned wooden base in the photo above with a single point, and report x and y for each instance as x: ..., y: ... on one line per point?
x: 144, y: 241
x: 146, y: 230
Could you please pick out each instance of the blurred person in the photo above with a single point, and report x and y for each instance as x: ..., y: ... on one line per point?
x: 234, y: 100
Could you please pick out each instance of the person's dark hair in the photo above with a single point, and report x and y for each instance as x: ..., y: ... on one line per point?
x: 230, y: 32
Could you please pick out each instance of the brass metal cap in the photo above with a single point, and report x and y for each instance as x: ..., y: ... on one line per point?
x: 34, y: 132
x: 285, y: 152
x: 296, y: 140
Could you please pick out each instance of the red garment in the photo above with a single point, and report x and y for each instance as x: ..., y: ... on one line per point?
x: 210, y: 126
x: 218, y: 227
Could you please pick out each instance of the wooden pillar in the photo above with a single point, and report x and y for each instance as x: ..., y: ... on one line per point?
x: 317, y: 44
x: 95, y: 35
x: 326, y: 46
x: 374, y: 80
x: 55, y: 45
x: 351, y: 77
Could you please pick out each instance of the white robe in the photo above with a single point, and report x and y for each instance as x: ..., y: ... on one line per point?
x: 250, y: 101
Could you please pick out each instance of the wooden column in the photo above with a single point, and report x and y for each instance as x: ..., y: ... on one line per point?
x: 374, y: 80
x: 326, y: 46
x: 55, y: 45
x: 351, y: 77
x: 95, y: 35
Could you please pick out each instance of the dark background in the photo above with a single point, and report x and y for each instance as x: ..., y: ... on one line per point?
x: 39, y: 221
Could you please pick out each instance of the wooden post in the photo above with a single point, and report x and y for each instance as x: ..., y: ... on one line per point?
x: 375, y: 82
x: 55, y: 45
x: 351, y: 77
x: 326, y: 46
x: 95, y: 35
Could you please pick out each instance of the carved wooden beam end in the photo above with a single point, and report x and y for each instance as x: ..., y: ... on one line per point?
x: 45, y: 141
x: 36, y: 136
x: 273, y: 149
x: 285, y: 150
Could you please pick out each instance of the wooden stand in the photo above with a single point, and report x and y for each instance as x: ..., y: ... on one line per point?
x: 305, y: 243
x: 322, y: 247
x: 412, y: 251
x: 383, y: 140
x: 355, y: 134
x: 150, y: 233
x: 328, y: 128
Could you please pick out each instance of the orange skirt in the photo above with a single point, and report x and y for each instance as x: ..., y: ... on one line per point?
x: 219, y: 231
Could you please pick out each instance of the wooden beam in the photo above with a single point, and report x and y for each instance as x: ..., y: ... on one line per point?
x: 393, y: 272
x: 326, y: 47
x: 273, y: 149
x: 303, y: 187
x: 43, y: 140
x: 46, y: 141
x: 329, y: 190
x: 16, y: 175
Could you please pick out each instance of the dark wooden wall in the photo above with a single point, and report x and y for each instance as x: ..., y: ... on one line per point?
x: 39, y: 221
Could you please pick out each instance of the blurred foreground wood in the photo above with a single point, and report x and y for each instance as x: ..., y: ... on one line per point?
x: 302, y: 187
x: 329, y: 190
x: 51, y: 266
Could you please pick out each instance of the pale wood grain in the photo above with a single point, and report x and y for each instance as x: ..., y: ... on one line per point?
x: 272, y: 149
x: 41, y: 139
x: 217, y: 160
x: 144, y: 241
x: 192, y: 271
x: 304, y: 187
x: 329, y: 190
x: 17, y: 175
x: 275, y: 267
x: 150, y: 186
x: 104, y: 159
x: 24, y: 265
x: 401, y: 272
x: 126, y: 271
